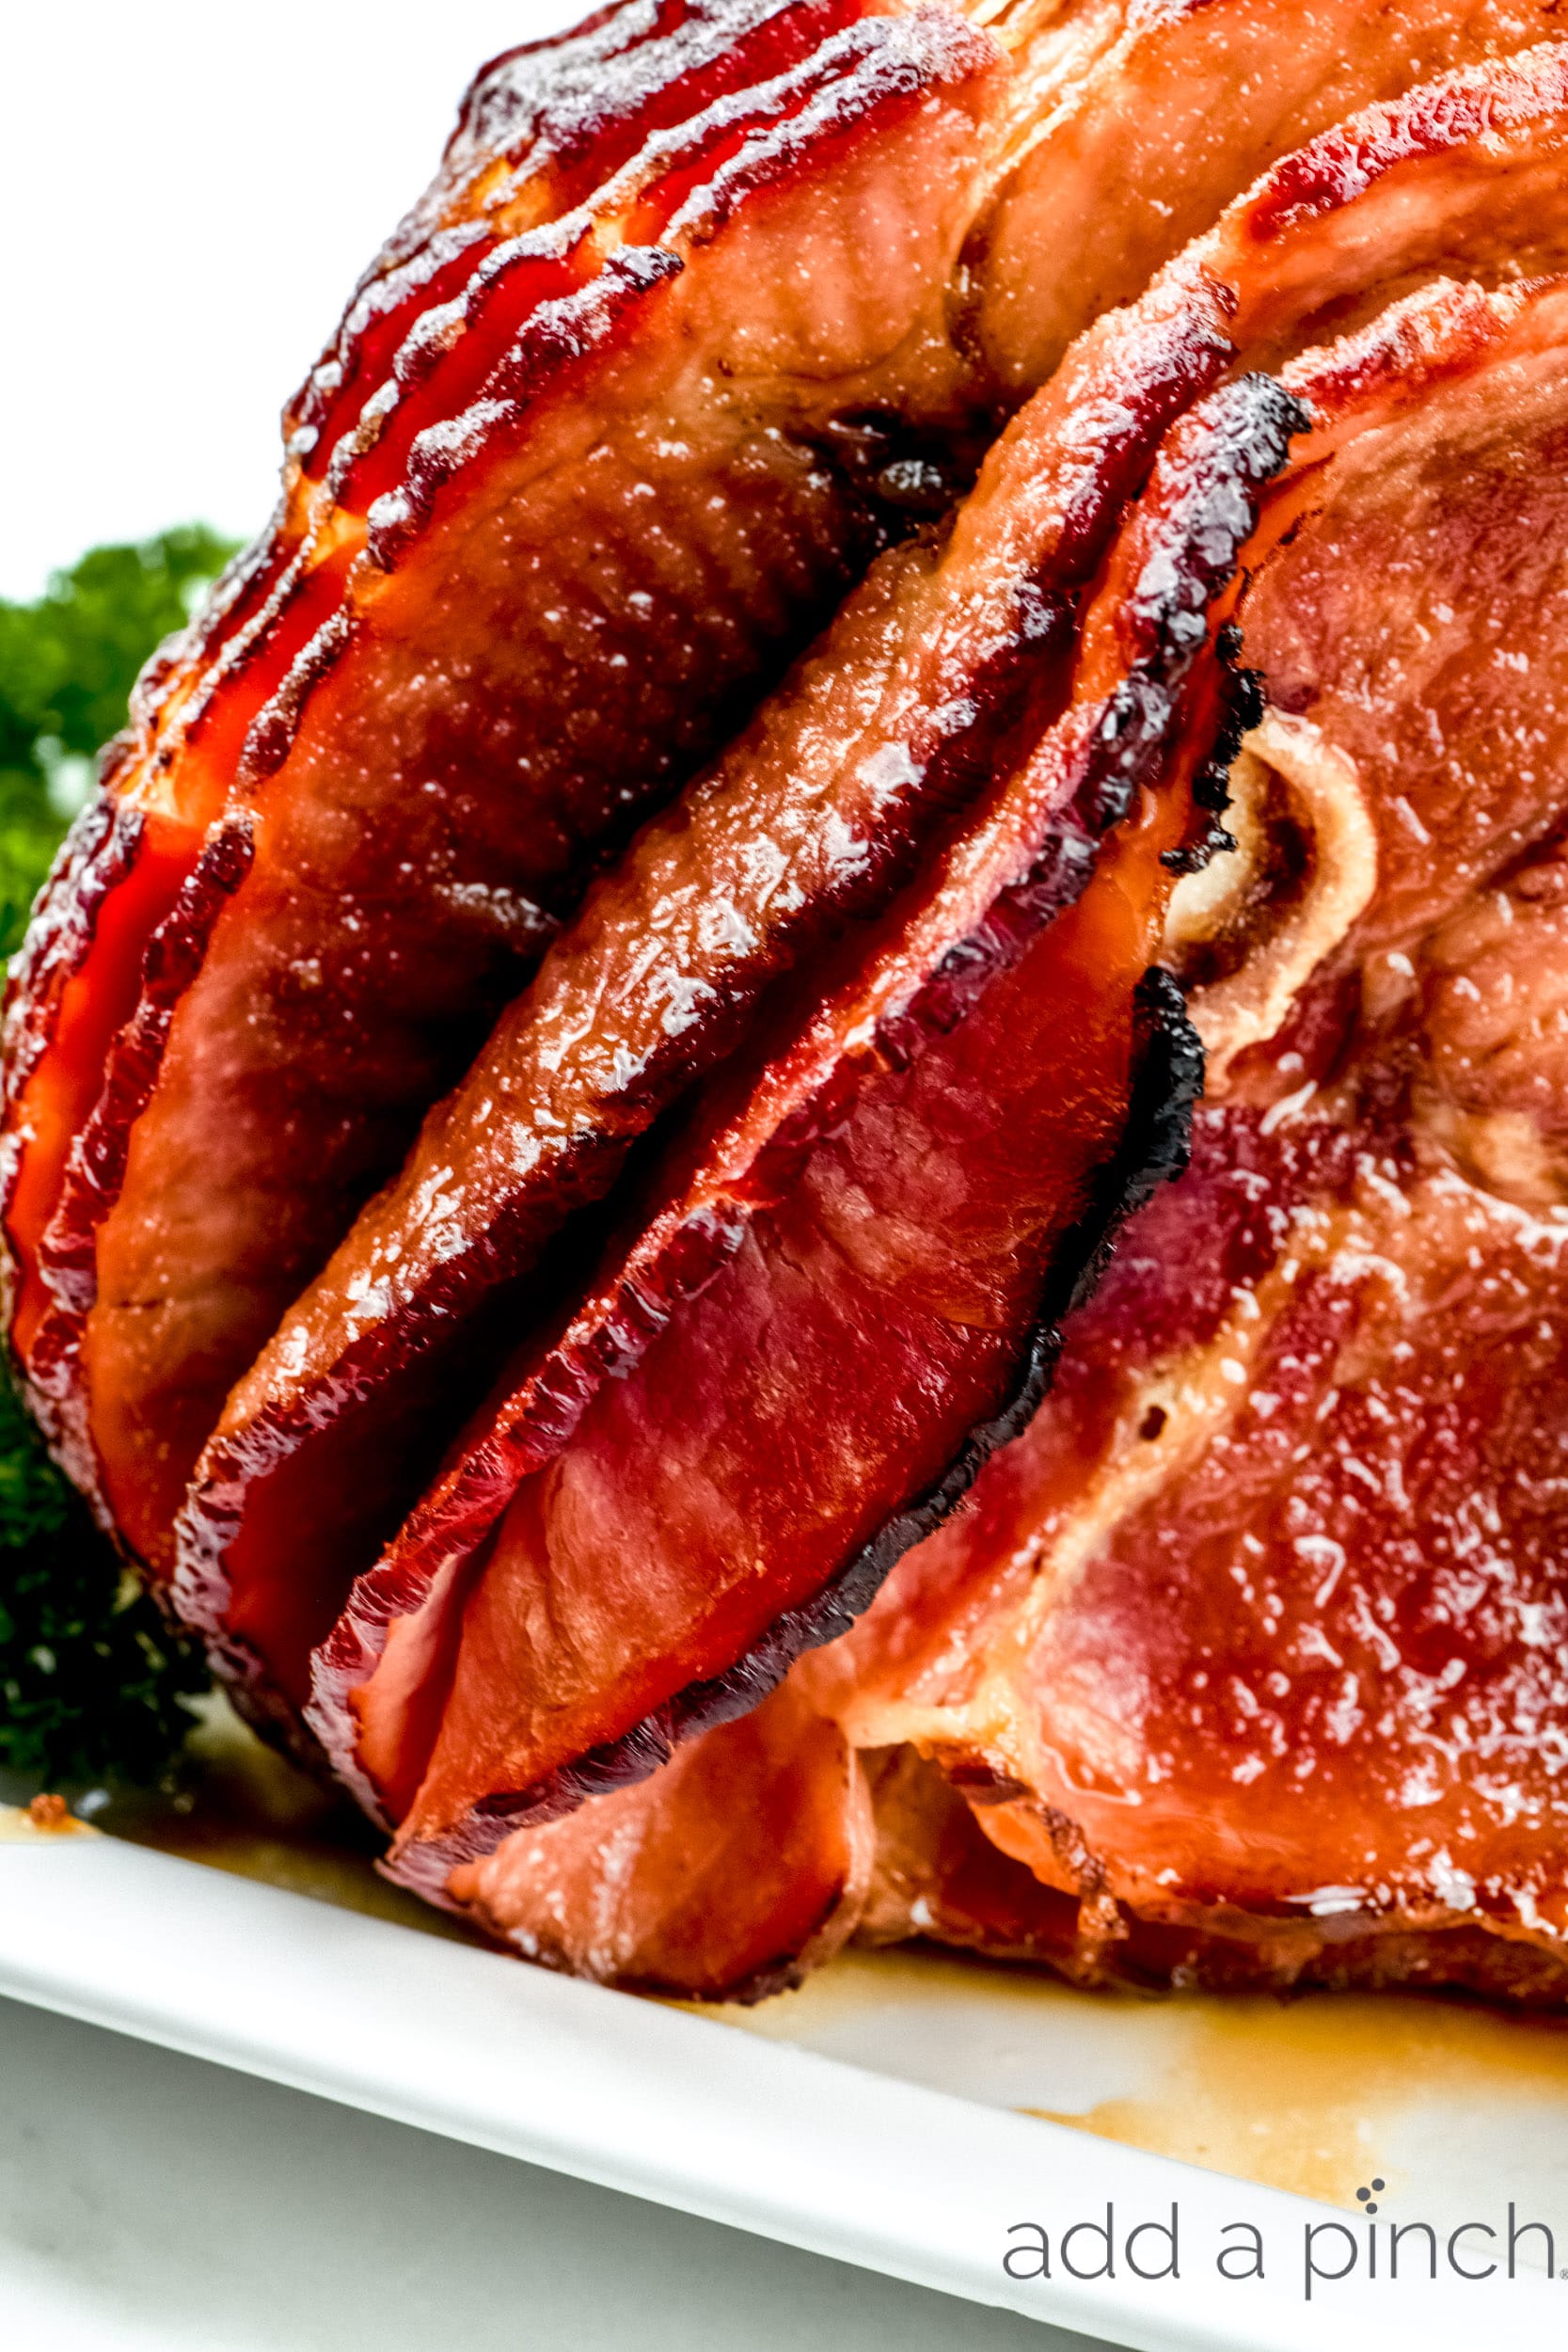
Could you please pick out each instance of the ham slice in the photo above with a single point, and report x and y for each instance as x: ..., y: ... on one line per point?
x: 745, y: 1865
x: 952, y: 658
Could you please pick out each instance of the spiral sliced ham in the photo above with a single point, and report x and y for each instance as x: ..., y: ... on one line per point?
x: 577, y: 510
x: 813, y: 814
x: 1241, y: 1663
x: 704, y: 301
x: 738, y: 1251
x: 841, y: 1299
x: 952, y: 658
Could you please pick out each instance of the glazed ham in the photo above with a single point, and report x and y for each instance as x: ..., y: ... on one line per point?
x: 573, y: 504
x: 1243, y: 1662
x: 706, y: 302
x: 813, y: 816
x: 739, y: 1164
x: 953, y: 662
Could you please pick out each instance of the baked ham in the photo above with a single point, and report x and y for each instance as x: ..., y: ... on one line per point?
x: 813, y: 815
x: 706, y: 302
x: 573, y: 502
x: 741, y: 1243
x: 955, y: 661
x: 1241, y: 1663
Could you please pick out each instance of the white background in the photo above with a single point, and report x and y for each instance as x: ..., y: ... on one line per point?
x: 189, y: 189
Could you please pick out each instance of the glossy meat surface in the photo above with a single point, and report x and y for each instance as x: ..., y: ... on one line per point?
x: 1242, y: 1664
x: 724, y: 242
x: 863, y: 1254
x: 851, y: 1053
x: 949, y: 662
x: 891, y: 722
x: 583, y: 517
x: 1262, y: 1620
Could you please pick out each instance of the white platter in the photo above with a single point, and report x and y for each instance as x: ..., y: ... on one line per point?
x: 873, y: 2117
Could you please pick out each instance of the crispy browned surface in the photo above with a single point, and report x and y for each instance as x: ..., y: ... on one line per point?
x: 814, y: 812
x: 839, y: 1277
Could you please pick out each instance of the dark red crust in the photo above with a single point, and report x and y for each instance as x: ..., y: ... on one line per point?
x: 424, y: 442
x: 1472, y: 104
x: 568, y: 129
x: 264, y: 584
x: 96, y: 1167
x: 95, y: 856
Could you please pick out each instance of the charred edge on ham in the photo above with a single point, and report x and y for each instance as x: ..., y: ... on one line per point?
x: 1171, y: 1077
x: 1243, y: 434
x: 95, y: 1168
x: 885, y: 61
x: 1212, y: 784
x: 578, y: 103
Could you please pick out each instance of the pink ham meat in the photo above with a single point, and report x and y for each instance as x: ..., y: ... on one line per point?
x: 1241, y: 1663
x: 742, y: 1866
x: 706, y: 305
x: 328, y: 1440
x: 1268, y: 1608
x: 951, y: 654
